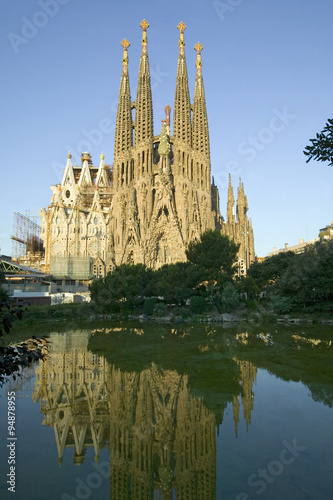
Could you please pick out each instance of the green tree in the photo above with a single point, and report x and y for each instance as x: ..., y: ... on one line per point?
x: 198, y: 304
x: 214, y: 257
x: 215, y: 253
x: 271, y: 269
x: 123, y: 289
x: 175, y: 282
x: 229, y: 298
x: 321, y: 148
x: 309, y: 278
x: 12, y: 358
x: 247, y: 285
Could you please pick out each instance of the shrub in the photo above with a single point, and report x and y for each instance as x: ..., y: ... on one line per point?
x: 148, y: 306
x: 280, y: 304
x: 160, y: 309
x: 229, y: 298
x: 198, y: 304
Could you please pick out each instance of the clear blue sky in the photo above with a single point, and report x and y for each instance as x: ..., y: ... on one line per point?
x: 262, y: 59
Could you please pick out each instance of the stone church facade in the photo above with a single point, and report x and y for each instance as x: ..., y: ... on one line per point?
x: 157, y: 196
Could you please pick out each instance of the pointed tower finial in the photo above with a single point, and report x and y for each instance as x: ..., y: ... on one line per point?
x: 181, y: 27
x: 125, y: 44
x: 102, y: 156
x: 198, y: 47
x: 68, y: 177
x: 144, y: 25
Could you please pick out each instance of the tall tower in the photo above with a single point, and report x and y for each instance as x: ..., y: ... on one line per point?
x: 231, y: 218
x: 123, y: 167
x: 200, y: 133
x: 240, y: 229
x: 245, y: 232
x: 182, y: 145
x: 144, y: 136
x: 200, y: 163
x: 143, y: 128
x: 123, y: 142
x: 182, y: 109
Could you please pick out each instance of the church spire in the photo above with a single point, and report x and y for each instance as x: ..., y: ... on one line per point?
x: 124, y: 126
x: 231, y: 204
x: 144, y: 106
x: 200, y: 137
x: 123, y: 137
x: 242, y: 206
x: 182, y: 107
x: 68, y: 177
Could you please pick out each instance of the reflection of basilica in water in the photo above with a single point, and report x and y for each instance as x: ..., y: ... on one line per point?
x: 160, y: 437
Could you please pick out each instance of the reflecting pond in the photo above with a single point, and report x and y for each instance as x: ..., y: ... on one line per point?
x: 145, y: 411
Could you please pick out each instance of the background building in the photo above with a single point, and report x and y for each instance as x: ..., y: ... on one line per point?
x: 326, y: 233
x: 157, y: 196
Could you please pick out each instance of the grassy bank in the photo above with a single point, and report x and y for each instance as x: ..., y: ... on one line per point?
x: 251, y: 311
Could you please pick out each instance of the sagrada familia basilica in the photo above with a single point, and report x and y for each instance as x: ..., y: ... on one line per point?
x: 157, y: 196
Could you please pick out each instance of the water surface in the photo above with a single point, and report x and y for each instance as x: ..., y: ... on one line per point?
x: 141, y: 411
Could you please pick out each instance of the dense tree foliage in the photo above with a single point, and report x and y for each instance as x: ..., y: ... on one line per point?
x: 309, y: 278
x: 270, y: 270
x: 8, y: 313
x: 206, y: 281
x: 215, y: 253
x: 12, y: 358
x: 177, y: 282
x: 321, y: 148
x: 297, y: 281
x: 201, y: 280
x: 123, y: 289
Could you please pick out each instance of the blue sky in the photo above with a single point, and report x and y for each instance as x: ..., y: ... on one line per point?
x: 267, y: 69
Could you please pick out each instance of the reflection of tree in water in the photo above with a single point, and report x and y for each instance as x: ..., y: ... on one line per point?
x: 160, y: 436
x: 301, y: 354
x: 248, y: 377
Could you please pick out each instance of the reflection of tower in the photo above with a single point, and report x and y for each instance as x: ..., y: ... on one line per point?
x: 196, y: 446
x: 71, y: 387
x: 160, y: 438
x: 248, y: 376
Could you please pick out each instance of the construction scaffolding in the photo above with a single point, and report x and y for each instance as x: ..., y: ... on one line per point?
x: 26, y: 235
